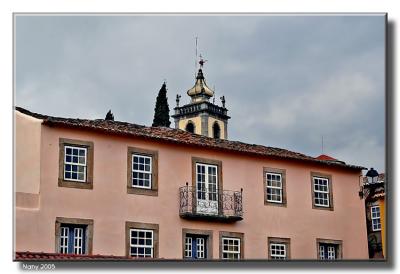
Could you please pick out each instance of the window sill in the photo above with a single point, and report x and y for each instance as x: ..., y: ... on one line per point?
x: 267, y: 203
x: 75, y: 184
x: 323, y: 207
x: 142, y: 191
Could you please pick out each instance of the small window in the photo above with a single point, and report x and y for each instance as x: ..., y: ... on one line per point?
x: 141, y: 240
x: 376, y: 218
x: 321, y: 187
x: 216, y: 131
x: 274, y: 187
x: 141, y: 243
x: 278, y: 251
x: 142, y: 171
x: 327, y: 252
x: 195, y: 246
x: 76, y: 164
x: 74, y: 236
x: 279, y: 248
x: 190, y: 127
x: 230, y: 248
x: 329, y: 249
x: 321, y: 192
x: 72, y: 239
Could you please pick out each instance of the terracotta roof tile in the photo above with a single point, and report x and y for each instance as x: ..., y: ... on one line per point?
x: 178, y: 136
x: 326, y: 158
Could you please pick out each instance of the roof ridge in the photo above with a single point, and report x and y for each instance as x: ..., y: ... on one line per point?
x: 179, y: 136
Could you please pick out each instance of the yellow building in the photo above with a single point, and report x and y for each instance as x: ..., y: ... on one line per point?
x: 374, y: 194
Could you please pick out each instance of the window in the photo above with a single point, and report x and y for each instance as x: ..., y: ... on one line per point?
x: 74, y: 236
x: 231, y: 246
x: 141, y: 243
x: 141, y: 240
x: 376, y: 218
x: 274, y: 186
x: 207, y: 182
x: 142, y: 171
x: 197, y: 244
x: 76, y: 164
x: 329, y: 249
x: 278, y: 248
x: 321, y: 191
x: 278, y: 251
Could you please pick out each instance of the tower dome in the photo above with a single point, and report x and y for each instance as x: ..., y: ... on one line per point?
x: 200, y: 88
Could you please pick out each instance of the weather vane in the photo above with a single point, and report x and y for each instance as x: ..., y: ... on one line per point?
x: 202, y: 61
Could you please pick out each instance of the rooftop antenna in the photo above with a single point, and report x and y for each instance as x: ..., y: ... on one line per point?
x: 322, y: 144
x: 195, y: 60
x: 215, y: 94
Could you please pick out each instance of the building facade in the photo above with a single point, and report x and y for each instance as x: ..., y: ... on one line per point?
x: 114, y: 188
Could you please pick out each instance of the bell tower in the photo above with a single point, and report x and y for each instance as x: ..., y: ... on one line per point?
x: 201, y: 116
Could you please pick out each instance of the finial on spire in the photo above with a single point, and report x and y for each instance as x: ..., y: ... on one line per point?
x: 178, y: 97
x: 223, y: 101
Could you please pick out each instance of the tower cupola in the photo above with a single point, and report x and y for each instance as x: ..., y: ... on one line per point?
x: 201, y: 116
x: 200, y: 91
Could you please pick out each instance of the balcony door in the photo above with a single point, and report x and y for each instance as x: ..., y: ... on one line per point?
x: 207, y: 189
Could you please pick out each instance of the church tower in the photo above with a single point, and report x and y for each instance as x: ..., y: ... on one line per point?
x: 201, y: 116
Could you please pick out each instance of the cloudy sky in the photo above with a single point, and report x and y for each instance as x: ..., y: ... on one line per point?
x: 288, y: 80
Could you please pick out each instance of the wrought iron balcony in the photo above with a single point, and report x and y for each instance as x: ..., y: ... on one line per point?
x: 223, y: 206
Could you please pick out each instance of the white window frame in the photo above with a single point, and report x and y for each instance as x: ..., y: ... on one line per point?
x: 78, y: 240
x: 331, y: 250
x: 141, y: 246
x: 75, y: 164
x: 201, y: 243
x: 376, y: 220
x: 273, y: 249
x: 321, y: 252
x: 188, y: 247
x: 238, y: 240
x: 64, y: 238
x: 321, y: 191
x: 280, y: 201
x: 150, y: 173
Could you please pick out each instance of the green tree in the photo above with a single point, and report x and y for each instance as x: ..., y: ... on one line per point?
x: 161, y: 111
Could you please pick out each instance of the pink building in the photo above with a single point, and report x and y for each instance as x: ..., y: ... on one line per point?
x: 115, y: 188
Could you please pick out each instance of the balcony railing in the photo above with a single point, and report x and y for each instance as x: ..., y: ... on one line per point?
x: 191, y: 108
x: 225, y: 205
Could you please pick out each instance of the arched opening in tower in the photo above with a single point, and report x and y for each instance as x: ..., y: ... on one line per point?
x: 190, y: 127
x: 216, y: 131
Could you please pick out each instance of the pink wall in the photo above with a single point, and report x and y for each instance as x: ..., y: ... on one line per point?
x: 109, y: 205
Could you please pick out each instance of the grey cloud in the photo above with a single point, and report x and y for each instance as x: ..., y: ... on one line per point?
x: 287, y: 79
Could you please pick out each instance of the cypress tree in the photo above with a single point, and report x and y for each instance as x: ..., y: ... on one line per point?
x: 161, y: 111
